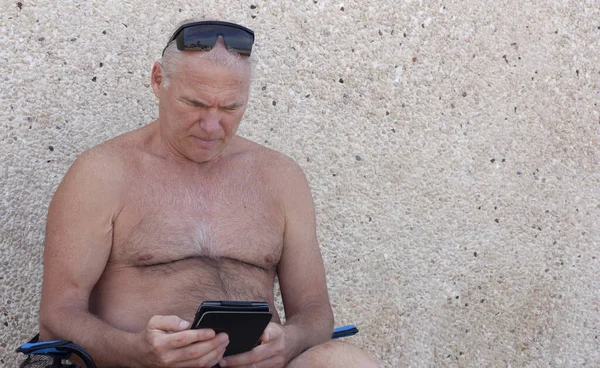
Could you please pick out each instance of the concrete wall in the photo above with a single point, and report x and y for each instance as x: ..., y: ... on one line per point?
x: 452, y: 148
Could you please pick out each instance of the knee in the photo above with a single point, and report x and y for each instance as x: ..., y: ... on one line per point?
x: 334, y: 354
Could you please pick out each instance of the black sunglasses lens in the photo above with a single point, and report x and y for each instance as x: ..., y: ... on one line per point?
x: 200, y: 38
x: 204, y: 37
x: 238, y: 40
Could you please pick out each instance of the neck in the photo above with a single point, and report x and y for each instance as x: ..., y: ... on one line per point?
x: 159, y: 144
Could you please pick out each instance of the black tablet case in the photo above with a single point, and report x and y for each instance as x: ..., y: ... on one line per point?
x: 243, y: 327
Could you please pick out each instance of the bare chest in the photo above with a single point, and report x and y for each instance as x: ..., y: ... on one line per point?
x: 168, y: 219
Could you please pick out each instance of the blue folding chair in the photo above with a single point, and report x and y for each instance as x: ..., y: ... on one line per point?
x: 344, y: 331
x: 56, y: 354
x: 53, y: 354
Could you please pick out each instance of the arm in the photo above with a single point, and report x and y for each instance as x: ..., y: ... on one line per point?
x: 78, y: 245
x: 309, y: 318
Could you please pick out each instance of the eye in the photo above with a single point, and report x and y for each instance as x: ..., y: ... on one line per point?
x: 193, y: 103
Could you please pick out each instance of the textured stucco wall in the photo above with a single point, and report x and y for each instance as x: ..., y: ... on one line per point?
x: 452, y: 148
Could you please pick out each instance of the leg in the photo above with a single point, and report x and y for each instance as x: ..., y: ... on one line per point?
x: 333, y: 354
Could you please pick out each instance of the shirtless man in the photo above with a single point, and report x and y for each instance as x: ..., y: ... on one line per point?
x: 146, y: 226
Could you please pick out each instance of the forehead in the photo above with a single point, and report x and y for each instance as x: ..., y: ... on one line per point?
x: 196, y: 72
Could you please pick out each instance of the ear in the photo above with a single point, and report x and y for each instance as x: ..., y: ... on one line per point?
x: 157, y: 78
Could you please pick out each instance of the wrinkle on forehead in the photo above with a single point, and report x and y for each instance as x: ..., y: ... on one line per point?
x: 206, y: 69
x: 211, y: 81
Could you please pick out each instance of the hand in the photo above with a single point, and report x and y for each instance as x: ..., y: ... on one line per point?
x: 167, y: 342
x: 271, y: 352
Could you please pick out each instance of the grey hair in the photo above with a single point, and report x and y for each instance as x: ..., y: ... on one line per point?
x: 220, y: 54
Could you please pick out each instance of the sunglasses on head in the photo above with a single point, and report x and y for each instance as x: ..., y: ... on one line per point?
x: 202, y: 36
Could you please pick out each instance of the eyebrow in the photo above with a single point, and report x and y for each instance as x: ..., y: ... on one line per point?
x: 193, y: 102
x: 200, y: 103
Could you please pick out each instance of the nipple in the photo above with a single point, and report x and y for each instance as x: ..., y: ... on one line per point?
x: 145, y: 257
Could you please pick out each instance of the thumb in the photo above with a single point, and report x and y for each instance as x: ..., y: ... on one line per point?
x: 264, y: 338
x: 269, y: 333
x: 168, y: 323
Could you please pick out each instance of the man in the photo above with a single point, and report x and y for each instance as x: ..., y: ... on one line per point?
x: 146, y: 226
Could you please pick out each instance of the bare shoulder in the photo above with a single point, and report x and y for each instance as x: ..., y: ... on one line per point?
x: 102, y: 161
x: 277, y: 167
x: 114, y: 155
x: 102, y: 168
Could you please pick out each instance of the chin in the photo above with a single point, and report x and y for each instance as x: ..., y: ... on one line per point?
x: 204, y: 156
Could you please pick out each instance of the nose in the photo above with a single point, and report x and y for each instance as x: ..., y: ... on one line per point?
x: 210, y: 121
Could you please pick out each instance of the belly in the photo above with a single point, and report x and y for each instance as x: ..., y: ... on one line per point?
x: 126, y: 297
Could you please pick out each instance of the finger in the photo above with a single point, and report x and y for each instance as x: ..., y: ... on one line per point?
x: 269, y: 363
x: 258, y: 354
x: 218, y: 356
x: 197, y: 351
x: 209, y: 359
x: 270, y: 333
x: 264, y: 337
x: 184, y: 338
x: 167, y: 323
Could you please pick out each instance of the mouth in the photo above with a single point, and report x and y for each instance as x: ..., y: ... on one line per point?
x: 206, y: 142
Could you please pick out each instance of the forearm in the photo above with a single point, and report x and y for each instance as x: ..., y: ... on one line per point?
x: 108, y: 346
x: 309, y: 326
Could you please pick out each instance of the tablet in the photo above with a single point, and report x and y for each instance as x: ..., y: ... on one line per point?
x: 243, y: 322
